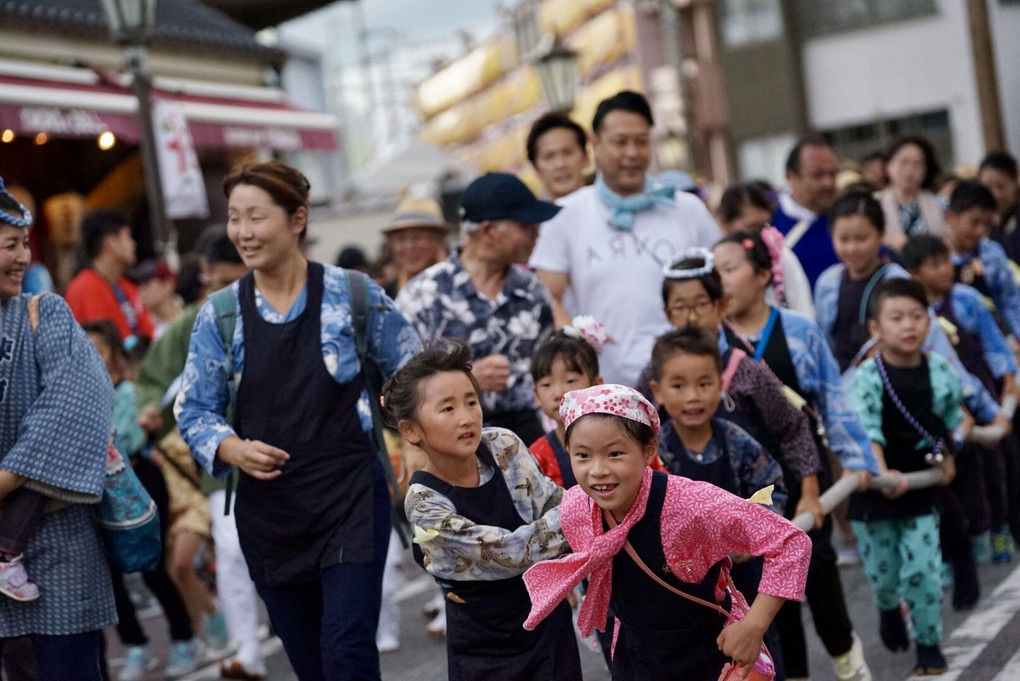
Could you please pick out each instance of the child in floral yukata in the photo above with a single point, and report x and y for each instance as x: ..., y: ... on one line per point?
x: 622, y: 517
x: 909, y: 403
x: 482, y: 513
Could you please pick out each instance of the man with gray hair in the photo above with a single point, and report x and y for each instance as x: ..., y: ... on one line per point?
x: 481, y: 296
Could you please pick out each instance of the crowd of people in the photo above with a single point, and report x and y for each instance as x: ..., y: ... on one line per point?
x: 575, y: 389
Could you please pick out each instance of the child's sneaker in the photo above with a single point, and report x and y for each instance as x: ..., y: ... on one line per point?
x: 217, y: 640
x: 850, y: 666
x: 982, y: 548
x: 1002, y: 547
x: 184, y: 658
x: 930, y: 661
x: 136, y: 663
x: 14, y: 581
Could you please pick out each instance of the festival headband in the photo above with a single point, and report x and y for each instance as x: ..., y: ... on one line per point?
x: 671, y: 272
x: 26, y: 216
x: 616, y: 400
x: 589, y: 329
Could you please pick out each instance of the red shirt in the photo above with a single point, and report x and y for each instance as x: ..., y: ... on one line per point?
x: 91, y: 298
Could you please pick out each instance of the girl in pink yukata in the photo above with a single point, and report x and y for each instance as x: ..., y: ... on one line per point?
x: 623, y: 517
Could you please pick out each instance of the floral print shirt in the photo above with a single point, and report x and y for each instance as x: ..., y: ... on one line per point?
x: 202, y: 403
x: 442, y: 302
x: 456, y: 548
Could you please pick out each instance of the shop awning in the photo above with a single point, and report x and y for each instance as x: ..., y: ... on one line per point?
x: 261, y: 120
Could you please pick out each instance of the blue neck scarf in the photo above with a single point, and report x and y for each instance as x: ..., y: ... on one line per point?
x: 623, y: 208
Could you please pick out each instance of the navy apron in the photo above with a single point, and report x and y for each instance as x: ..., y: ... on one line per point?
x: 485, y: 634
x: 320, y: 510
x: 663, y: 636
x: 968, y: 348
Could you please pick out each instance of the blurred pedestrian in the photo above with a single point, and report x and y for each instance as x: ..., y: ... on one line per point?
x: 803, y: 211
x: 478, y: 295
x: 909, y: 201
x: 101, y: 290
x: 417, y: 236
x: 611, y: 241
x: 313, y: 508
x: 157, y: 288
x: 998, y: 171
x: 558, y: 150
x: 873, y: 170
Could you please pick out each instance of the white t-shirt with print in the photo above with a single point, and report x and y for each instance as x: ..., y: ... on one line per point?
x: 617, y: 275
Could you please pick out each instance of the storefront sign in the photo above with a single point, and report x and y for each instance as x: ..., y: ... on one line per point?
x: 183, y: 186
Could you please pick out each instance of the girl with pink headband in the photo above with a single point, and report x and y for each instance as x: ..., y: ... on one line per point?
x: 682, y: 618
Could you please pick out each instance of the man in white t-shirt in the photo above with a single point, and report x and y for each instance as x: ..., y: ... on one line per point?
x: 612, y: 240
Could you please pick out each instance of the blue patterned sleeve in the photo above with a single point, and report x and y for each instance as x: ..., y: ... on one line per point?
x: 417, y: 302
x: 128, y: 436
x: 846, y: 435
x: 201, y: 405
x: 1004, y: 288
x: 947, y: 392
x: 998, y: 356
x: 827, y: 301
x: 394, y: 340
x: 978, y: 400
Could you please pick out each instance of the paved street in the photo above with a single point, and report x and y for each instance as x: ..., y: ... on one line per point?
x: 981, y: 645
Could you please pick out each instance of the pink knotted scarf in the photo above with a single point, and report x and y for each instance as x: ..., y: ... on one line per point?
x: 550, y: 581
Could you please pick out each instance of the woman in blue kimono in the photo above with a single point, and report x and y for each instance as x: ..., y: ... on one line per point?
x: 313, y: 510
x: 56, y: 408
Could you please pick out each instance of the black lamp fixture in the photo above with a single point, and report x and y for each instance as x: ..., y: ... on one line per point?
x: 557, y: 70
x: 131, y: 22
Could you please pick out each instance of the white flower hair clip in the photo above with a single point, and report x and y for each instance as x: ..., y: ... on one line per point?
x: 671, y: 271
x: 589, y: 329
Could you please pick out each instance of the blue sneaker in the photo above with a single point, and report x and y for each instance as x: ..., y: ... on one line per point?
x: 184, y: 658
x: 136, y: 663
x: 1002, y: 545
x: 216, y: 637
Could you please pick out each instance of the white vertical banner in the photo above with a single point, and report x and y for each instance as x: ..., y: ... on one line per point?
x: 183, y: 186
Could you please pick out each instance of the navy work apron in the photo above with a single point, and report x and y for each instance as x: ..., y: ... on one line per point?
x: 719, y: 472
x: 485, y: 635
x: 562, y: 459
x: 319, y: 511
x: 663, y: 636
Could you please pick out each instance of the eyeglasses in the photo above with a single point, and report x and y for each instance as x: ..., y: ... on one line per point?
x: 685, y: 311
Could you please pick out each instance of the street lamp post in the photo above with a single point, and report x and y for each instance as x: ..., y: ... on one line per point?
x: 132, y: 23
x: 557, y: 70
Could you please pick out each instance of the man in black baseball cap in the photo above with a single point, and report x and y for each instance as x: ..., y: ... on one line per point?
x: 479, y: 295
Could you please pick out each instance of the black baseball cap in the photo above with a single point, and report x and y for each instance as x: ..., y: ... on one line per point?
x: 502, y: 196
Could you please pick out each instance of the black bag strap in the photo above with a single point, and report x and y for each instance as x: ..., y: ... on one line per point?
x: 224, y: 304
x: 357, y: 286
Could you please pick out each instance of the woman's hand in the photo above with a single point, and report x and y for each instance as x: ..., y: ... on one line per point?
x: 741, y: 642
x: 256, y: 458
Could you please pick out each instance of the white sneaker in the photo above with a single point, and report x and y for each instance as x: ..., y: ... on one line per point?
x: 851, y: 665
x: 437, y: 627
x: 387, y: 643
x: 433, y: 607
x: 136, y: 663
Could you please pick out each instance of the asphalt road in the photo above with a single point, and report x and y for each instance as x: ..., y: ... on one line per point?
x: 982, y: 645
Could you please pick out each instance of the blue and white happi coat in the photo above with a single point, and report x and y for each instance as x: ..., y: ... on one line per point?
x: 56, y: 410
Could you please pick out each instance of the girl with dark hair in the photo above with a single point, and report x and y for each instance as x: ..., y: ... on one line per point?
x: 795, y: 350
x: 909, y: 201
x: 313, y: 509
x: 682, y: 619
x: 482, y: 513
x: 748, y: 207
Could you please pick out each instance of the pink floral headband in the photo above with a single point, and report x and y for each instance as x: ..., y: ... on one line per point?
x: 618, y: 400
x: 589, y: 329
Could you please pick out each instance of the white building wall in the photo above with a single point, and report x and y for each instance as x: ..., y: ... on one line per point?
x: 902, y: 68
x: 1005, y: 21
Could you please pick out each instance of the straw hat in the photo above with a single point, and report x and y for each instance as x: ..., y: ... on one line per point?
x: 415, y: 212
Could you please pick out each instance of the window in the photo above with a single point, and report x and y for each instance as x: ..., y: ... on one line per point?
x: 857, y: 141
x: 750, y: 21
x: 764, y: 158
x: 817, y: 18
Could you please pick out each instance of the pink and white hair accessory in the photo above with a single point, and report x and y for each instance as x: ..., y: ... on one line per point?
x: 617, y: 400
x: 773, y: 240
x: 589, y: 329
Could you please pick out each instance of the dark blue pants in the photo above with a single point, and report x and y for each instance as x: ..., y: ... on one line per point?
x: 75, y: 656
x: 328, y: 626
